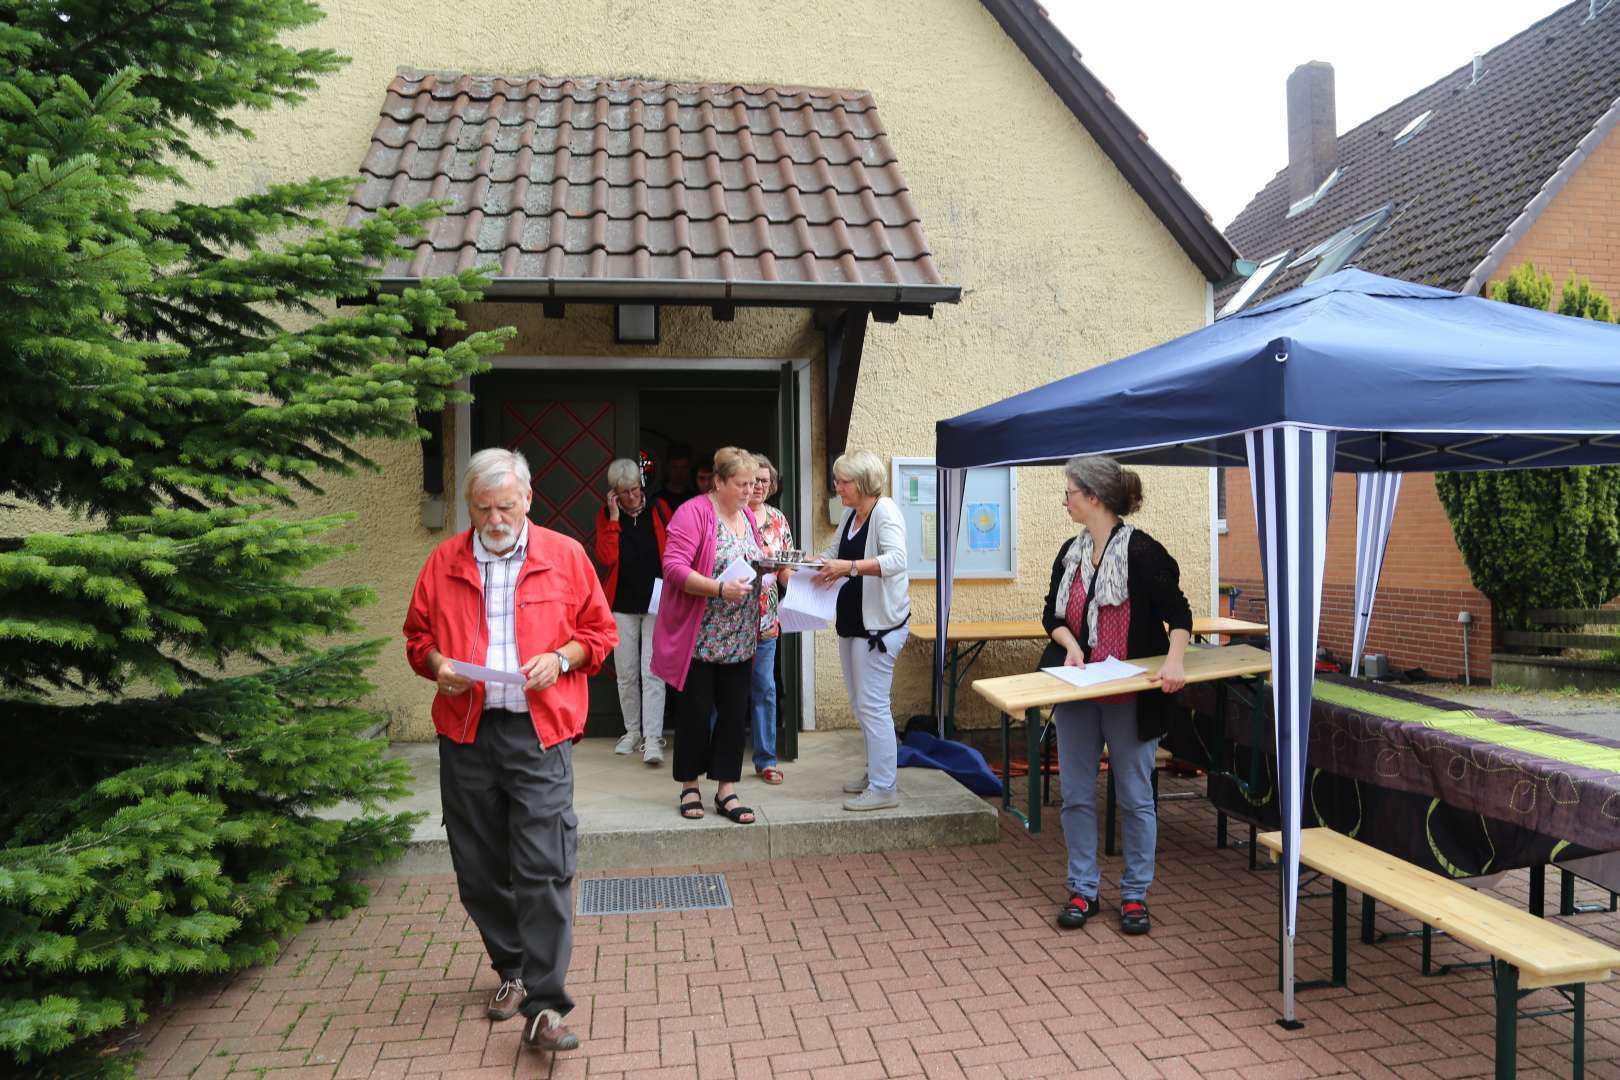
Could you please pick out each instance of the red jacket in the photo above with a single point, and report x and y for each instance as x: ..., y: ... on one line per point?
x: 607, y: 542
x: 558, y: 599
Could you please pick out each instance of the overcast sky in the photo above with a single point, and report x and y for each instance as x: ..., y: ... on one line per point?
x: 1205, y: 81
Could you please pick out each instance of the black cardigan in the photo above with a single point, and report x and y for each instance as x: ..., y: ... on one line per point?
x: 1151, y: 575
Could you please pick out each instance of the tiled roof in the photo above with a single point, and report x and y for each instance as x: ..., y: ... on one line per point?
x: 1464, y: 181
x: 584, y: 187
x: 1126, y: 145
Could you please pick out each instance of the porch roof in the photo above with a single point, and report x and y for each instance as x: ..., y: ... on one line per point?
x: 630, y: 190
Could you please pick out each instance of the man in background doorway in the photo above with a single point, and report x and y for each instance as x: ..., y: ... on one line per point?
x: 677, y: 476
x: 705, y: 473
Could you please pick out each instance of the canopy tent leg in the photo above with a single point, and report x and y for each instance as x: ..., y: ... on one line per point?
x: 1291, y: 474
x: 1376, y: 495
x: 950, y: 484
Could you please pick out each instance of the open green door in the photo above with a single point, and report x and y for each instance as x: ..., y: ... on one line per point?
x: 790, y: 652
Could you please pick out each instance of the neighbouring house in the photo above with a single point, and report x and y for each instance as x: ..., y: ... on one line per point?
x: 1508, y: 159
x: 798, y: 228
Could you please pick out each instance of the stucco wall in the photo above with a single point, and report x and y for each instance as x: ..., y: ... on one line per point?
x: 1062, y: 265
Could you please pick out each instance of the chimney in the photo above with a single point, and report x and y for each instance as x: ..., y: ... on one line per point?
x: 1312, y: 137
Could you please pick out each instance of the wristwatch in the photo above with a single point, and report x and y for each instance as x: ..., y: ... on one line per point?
x: 562, y: 663
x: 854, y: 568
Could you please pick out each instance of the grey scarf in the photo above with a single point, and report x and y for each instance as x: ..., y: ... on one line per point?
x: 1111, y: 585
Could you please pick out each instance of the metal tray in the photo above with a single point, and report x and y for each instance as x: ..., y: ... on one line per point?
x: 773, y: 563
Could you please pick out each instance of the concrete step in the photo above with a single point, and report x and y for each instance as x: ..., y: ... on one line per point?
x: 627, y: 816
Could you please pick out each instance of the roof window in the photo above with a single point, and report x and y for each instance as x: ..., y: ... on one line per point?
x: 1255, y: 282
x: 1314, y: 197
x: 1332, y: 254
x: 1413, y: 126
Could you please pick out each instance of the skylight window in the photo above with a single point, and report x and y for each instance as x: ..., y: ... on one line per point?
x: 1256, y: 281
x: 1314, y: 197
x: 1332, y: 254
x: 1413, y: 126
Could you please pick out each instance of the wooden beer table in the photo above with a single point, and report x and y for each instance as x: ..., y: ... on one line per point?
x: 1028, y: 694
x: 966, y: 640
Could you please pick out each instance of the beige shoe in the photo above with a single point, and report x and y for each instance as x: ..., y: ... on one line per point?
x: 873, y: 799
x: 855, y: 787
x: 652, y: 753
x: 628, y: 743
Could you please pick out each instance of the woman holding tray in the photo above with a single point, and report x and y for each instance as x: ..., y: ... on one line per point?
x: 1114, y: 590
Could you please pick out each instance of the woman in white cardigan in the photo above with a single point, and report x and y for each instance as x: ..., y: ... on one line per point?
x: 868, y: 553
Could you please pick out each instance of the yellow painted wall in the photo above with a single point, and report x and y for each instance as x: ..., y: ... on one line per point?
x: 1062, y: 265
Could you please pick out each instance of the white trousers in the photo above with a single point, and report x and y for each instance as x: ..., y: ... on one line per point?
x: 868, y: 676
x: 641, y: 693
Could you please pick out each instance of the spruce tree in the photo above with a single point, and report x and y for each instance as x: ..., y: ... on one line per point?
x: 1539, y: 538
x: 173, y: 376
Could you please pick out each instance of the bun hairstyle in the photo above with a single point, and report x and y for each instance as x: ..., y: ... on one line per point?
x: 1119, y: 489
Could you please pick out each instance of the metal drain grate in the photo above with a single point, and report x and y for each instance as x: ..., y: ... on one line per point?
x: 673, y: 892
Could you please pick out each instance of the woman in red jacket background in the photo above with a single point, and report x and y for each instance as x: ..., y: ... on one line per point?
x: 630, y: 536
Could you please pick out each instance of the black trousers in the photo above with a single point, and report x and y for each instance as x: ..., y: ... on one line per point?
x: 509, y: 811
x: 720, y: 690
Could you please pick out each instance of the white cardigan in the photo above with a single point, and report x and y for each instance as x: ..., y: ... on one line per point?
x: 886, y: 599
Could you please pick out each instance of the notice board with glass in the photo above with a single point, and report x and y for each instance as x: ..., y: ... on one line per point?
x: 986, y: 540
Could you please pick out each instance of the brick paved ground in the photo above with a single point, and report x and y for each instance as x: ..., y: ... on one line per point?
x: 939, y: 963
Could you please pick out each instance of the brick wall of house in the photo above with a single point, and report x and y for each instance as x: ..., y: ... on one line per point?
x: 1423, y: 586
x: 1579, y: 231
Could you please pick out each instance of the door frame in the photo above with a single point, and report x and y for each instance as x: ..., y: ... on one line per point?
x: 461, y: 413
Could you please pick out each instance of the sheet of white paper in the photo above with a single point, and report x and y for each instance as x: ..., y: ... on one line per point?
x: 1100, y: 672
x: 479, y: 673
x: 737, y: 570
x: 658, y: 592
x: 807, y: 606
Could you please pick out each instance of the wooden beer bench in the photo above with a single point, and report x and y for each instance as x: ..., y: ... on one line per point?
x: 1528, y: 953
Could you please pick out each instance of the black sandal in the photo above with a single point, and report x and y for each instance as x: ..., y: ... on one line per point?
x: 689, y: 805
x: 735, y: 813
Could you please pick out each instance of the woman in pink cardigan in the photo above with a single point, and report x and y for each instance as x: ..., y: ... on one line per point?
x: 707, y: 632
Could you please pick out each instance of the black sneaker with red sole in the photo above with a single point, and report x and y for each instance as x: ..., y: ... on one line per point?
x: 1076, y: 911
x: 1133, y: 917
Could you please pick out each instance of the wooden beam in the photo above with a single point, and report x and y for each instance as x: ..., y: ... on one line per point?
x: 846, y: 337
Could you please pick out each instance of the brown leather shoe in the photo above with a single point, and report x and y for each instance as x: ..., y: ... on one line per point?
x: 544, y: 1031
x: 507, y: 1000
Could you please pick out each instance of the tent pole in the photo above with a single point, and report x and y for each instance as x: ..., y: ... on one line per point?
x: 1285, y: 957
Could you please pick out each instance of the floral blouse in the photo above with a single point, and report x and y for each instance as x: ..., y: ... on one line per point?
x: 778, y: 537
x: 729, y: 633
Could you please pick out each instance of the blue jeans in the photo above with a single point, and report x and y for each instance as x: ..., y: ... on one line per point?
x: 1082, y: 729
x: 762, y: 704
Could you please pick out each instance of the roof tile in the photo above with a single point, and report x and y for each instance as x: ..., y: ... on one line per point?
x: 1460, y: 183
x: 627, y: 178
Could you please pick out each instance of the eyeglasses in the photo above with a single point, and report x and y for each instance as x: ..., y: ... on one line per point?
x: 1069, y: 493
x: 763, y: 483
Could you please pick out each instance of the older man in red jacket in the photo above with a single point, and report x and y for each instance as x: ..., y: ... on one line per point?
x: 511, y: 596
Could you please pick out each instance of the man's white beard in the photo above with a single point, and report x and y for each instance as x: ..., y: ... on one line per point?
x: 498, y: 538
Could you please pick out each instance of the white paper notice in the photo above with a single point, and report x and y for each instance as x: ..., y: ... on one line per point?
x: 1100, y: 672
x: 658, y: 592
x: 479, y: 673
x: 807, y: 605
x: 736, y: 570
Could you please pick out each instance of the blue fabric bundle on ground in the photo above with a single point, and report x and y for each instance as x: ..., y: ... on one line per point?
x: 967, y: 765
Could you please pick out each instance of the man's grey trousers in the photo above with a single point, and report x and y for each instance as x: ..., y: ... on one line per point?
x: 509, y: 812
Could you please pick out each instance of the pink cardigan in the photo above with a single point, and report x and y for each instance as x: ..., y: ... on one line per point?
x: 689, y: 549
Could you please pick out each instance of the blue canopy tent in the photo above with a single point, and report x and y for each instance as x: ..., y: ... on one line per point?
x: 1353, y: 373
